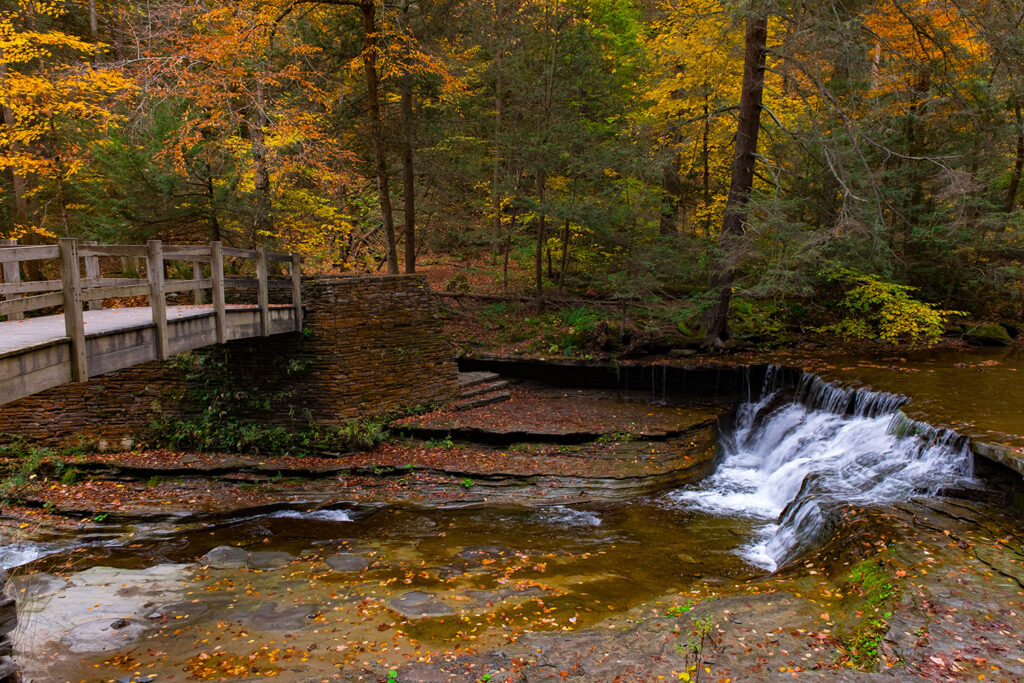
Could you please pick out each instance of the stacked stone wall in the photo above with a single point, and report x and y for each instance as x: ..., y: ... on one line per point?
x: 371, y: 346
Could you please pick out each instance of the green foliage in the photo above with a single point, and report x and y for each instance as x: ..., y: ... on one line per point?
x: 884, y: 311
x: 615, y: 437
x: 875, y: 594
x: 446, y: 442
x: 693, y: 649
x: 757, y: 321
x: 235, y: 436
x: 467, y: 483
x: 227, y: 417
x: 70, y: 476
x: 27, y: 461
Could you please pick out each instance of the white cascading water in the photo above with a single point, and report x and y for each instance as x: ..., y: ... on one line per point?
x: 794, y: 461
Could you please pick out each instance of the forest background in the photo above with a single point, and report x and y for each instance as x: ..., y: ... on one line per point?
x: 847, y: 167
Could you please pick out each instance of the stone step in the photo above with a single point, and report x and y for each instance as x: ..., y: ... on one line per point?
x: 478, y: 389
x: 482, y: 400
x: 471, y: 379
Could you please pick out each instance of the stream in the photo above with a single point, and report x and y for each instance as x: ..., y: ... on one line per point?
x: 399, y: 580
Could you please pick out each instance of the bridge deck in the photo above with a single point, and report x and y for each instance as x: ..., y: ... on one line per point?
x: 35, y: 353
x: 21, y: 335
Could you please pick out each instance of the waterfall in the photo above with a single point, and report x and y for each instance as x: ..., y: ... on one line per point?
x: 792, y: 460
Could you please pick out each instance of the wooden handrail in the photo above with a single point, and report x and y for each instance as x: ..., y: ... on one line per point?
x: 73, y: 290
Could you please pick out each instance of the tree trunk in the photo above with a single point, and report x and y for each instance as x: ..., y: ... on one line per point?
x: 499, y: 89
x: 18, y: 207
x: 94, y: 32
x: 541, y: 238
x: 671, y: 197
x: 565, y: 257
x: 706, y: 158
x: 1018, y: 165
x: 734, y: 222
x: 408, y: 171
x: 508, y: 249
x: 369, y: 11
x: 263, y: 221
x: 215, y: 234
x: 408, y: 176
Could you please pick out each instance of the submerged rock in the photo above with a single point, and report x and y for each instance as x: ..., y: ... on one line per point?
x: 419, y: 605
x: 484, y: 552
x: 230, y: 557
x: 225, y: 557
x: 269, y: 560
x: 271, y: 616
x: 347, y: 562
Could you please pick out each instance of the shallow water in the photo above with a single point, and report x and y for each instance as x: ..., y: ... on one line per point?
x: 978, y: 392
x: 500, y: 571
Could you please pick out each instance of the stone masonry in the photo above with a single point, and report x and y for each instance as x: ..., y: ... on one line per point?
x: 371, y: 346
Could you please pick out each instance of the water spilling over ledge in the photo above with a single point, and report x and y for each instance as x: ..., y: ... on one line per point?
x: 794, y: 456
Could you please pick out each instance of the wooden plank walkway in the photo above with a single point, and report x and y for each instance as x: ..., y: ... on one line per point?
x: 38, y: 353
x: 17, y: 336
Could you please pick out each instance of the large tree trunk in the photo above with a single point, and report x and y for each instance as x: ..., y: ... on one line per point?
x: 734, y: 222
x: 408, y: 171
x: 369, y: 11
x: 408, y: 176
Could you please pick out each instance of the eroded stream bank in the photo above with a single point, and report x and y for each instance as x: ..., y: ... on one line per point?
x: 564, y: 533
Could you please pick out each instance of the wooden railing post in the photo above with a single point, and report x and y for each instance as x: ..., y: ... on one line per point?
x: 217, y: 291
x: 296, y: 272
x: 262, y: 291
x: 12, y: 273
x: 92, y: 270
x: 197, y: 274
x: 74, y: 325
x: 157, y: 302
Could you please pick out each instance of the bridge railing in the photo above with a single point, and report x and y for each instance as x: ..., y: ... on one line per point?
x: 73, y: 290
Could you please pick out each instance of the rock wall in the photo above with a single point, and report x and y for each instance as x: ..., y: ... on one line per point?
x: 372, y: 346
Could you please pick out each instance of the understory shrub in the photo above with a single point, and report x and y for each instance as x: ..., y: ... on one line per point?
x: 884, y: 311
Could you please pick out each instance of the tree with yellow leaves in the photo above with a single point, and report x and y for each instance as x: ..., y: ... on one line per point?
x: 53, y: 101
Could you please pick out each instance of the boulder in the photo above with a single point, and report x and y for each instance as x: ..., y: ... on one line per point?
x: 992, y: 334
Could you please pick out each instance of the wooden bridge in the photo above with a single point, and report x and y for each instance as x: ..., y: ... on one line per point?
x: 37, y: 353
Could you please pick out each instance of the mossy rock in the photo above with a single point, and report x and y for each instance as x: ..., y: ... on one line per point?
x: 992, y: 334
